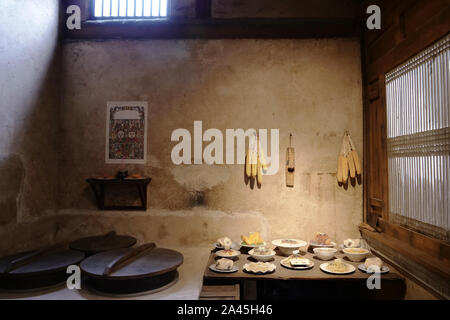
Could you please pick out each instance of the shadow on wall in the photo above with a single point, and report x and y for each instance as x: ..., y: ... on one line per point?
x: 28, y: 127
x: 12, y: 176
x: 28, y: 173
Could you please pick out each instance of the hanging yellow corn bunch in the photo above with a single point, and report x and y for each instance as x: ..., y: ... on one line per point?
x: 255, y: 160
x: 348, y: 161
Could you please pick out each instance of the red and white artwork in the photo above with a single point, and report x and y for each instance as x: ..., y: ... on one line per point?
x: 126, y: 132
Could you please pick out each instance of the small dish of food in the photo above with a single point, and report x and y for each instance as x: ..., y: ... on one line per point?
x: 338, y: 266
x: 259, y: 267
x: 372, y: 269
x: 297, y: 262
x: 230, y: 253
x: 325, y: 253
x: 226, y: 243
x: 253, y: 240
x: 288, y: 246
x: 224, y: 266
x: 373, y: 265
x: 262, y: 254
x: 352, y: 243
x: 356, y: 254
x: 321, y: 240
x: 104, y: 177
x: 134, y: 176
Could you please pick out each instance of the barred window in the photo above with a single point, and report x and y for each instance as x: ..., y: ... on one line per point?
x: 418, y: 129
x: 130, y: 9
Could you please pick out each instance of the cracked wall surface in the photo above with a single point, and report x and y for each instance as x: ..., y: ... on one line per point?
x: 311, y: 88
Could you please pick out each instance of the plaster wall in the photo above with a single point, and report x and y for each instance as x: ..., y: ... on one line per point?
x: 29, y: 100
x: 311, y: 88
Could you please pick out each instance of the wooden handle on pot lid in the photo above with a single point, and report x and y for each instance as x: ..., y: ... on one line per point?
x: 102, y: 240
x: 127, y: 258
x: 109, y: 234
x: 30, y: 257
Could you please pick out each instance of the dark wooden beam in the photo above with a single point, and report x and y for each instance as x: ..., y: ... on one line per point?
x: 216, y: 29
x: 203, y: 9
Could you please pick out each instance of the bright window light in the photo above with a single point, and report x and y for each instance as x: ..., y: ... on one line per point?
x: 115, y: 8
x: 106, y: 8
x: 163, y: 8
x: 418, y: 115
x: 147, y: 8
x: 139, y: 8
x: 155, y: 8
x: 123, y: 8
x: 98, y: 8
x: 130, y: 12
x: 130, y: 9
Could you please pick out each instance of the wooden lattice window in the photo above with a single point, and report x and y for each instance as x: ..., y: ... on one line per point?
x: 418, y: 141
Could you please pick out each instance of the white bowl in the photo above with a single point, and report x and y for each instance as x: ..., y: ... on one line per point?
x: 260, y: 257
x: 313, y: 245
x: 356, y: 254
x: 288, y: 249
x: 325, y: 253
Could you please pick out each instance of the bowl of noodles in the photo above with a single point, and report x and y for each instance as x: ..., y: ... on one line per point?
x: 356, y: 254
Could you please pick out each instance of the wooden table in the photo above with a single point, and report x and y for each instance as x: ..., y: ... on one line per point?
x: 305, y: 284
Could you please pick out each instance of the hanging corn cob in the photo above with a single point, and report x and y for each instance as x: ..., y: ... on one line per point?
x: 259, y: 166
x: 355, y: 157
x: 255, y: 161
x: 261, y: 156
x: 351, y: 165
x: 248, y: 160
x: 348, y: 161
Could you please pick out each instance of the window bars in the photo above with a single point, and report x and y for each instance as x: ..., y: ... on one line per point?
x: 130, y: 9
x: 418, y: 128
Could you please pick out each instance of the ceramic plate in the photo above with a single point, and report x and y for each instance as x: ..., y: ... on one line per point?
x: 223, y: 254
x: 259, y: 267
x: 285, y: 263
x: 253, y: 245
x: 213, y: 268
x: 384, y: 269
x: 233, y: 246
x: 324, y: 268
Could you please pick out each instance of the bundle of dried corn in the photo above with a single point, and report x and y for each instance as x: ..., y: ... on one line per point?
x: 255, y: 160
x: 348, y: 161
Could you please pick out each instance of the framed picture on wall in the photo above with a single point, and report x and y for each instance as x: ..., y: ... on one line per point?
x: 126, y: 132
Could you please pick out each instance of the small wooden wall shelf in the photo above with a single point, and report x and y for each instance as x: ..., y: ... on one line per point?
x: 98, y: 186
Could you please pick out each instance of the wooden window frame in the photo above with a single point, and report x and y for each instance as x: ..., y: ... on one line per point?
x: 204, y: 26
x: 383, y: 50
